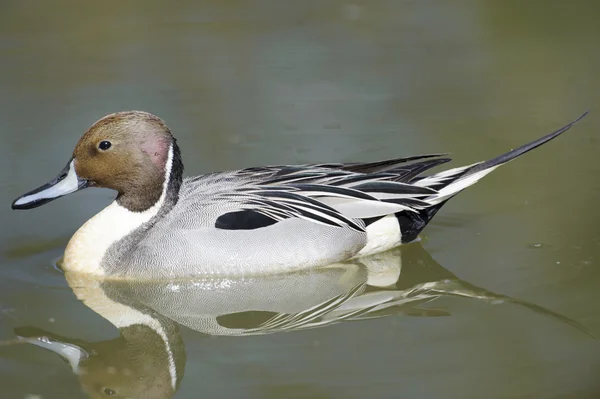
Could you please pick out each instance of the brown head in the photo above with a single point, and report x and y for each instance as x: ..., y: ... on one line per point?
x: 133, y: 153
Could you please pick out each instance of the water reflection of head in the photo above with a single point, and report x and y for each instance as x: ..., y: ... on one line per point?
x: 146, y: 360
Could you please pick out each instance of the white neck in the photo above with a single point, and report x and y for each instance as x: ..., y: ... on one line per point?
x: 88, y: 289
x: 88, y: 245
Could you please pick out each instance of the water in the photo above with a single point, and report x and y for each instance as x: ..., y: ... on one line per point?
x: 491, y: 303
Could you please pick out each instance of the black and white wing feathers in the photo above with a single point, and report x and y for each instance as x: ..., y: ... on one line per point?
x: 339, y: 195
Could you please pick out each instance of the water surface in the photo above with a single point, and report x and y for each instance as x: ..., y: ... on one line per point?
x: 268, y: 82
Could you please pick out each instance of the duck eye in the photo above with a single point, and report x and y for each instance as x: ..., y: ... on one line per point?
x: 108, y: 392
x: 104, y: 145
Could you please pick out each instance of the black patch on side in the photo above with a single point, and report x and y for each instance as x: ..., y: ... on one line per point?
x: 243, y: 220
x: 411, y: 223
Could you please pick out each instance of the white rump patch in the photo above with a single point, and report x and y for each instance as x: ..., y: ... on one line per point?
x: 382, y: 235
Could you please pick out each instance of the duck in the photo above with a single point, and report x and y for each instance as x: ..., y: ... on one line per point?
x: 252, y: 221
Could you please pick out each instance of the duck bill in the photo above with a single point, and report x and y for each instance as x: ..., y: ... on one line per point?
x: 66, y: 182
x: 70, y: 350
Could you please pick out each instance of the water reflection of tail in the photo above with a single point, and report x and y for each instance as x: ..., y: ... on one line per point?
x: 148, y: 358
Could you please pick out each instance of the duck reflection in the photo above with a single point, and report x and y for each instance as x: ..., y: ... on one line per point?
x: 148, y: 358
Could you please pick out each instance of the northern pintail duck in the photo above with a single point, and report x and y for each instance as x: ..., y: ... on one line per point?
x: 257, y: 220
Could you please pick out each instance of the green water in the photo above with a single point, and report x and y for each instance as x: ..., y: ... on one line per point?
x: 494, y: 302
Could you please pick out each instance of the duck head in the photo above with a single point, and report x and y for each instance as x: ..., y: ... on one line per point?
x: 133, y: 153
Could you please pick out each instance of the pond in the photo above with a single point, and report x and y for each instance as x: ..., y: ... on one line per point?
x: 499, y: 298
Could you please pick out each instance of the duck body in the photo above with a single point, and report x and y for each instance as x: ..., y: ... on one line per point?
x: 257, y: 220
x: 222, y: 224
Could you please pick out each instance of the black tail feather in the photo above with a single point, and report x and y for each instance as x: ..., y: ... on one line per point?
x: 411, y: 223
x: 509, y: 156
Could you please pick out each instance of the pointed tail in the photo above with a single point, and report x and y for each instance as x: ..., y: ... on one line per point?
x: 450, y: 182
